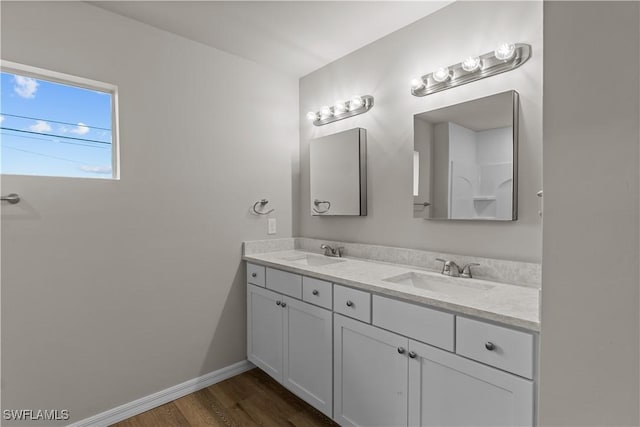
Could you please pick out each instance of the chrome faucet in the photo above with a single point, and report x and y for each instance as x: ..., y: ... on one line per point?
x: 466, y: 270
x: 332, y: 252
x: 450, y: 268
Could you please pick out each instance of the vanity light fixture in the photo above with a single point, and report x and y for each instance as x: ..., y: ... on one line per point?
x: 417, y: 84
x: 506, y: 57
x: 341, y: 110
x: 505, y: 51
x: 471, y: 64
x: 442, y: 74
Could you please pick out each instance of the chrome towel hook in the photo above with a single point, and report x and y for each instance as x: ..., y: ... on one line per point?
x: 262, y: 204
x: 318, y: 203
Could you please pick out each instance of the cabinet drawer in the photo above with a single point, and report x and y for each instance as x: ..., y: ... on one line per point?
x: 352, y: 303
x: 255, y: 274
x: 421, y: 323
x: 496, y: 346
x: 317, y: 292
x: 285, y: 283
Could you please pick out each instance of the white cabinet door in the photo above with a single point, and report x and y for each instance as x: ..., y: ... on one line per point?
x: 264, y: 330
x: 370, y: 375
x: 308, y: 353
x: 448, y: 390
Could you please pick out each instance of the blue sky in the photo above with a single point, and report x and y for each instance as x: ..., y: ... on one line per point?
x: 52, y: 129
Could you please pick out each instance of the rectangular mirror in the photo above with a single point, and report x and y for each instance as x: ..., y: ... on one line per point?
x: 465, y: 160
x: 338, y: 172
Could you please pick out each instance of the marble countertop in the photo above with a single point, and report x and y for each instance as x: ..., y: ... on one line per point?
x: 503, y: 303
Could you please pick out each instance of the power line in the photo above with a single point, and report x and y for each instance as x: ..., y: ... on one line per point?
x: 55, y: 136
x: 52, y: 121
x: 43, y: 155
x: 54, y: 140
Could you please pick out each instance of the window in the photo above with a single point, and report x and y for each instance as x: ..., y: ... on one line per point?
x: 53, y: 124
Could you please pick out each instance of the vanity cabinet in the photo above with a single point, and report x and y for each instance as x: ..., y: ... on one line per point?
x: 449, y: 390
x: 384, y: 379
x: 370, y: 375
x: 265, y: 332
x: 308, y: 353
x: 369, y: 360
x: 291, y: 341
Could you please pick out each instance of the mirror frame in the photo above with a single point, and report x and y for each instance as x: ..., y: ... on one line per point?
x: 362, y: 173
x: 515, y: 120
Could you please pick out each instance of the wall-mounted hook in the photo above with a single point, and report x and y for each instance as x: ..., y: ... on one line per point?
x: 262, y: 204
x: 317, y: 203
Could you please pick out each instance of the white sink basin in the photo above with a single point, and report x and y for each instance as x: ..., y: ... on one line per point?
x: 440, y: 284
x: 312, y: 260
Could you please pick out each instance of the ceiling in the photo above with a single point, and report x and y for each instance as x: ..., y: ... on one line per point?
x: 295, y: 37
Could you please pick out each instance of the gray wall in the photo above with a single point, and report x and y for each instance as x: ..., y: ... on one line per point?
x: 384, y: 69
x: 113, y: 290
x: 590, y: 324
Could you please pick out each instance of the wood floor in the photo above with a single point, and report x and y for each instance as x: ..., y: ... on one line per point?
x: 249, y: 399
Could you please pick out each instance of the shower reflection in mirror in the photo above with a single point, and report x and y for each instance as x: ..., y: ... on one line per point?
x: 465, y: 160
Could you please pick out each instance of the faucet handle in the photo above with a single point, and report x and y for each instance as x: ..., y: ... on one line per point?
x: 466, y: 270
x: 339, y: 250
x: 445, y: 265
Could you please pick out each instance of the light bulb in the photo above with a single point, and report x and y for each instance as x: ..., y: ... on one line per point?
x: 417, y: 84
x: 505, y: 51
x: 325, y: 112
x: 441, y: 74
x: 471, y: 64
x: 355, y: 103
x: 339, y: 107
x: 311, y: 115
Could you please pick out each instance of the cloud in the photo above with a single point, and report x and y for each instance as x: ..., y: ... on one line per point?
x: 96, y: 169
x: 80, y: 129
x: 41, y: 126
x: 25, y: 87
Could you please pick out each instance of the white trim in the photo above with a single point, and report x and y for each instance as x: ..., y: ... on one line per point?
x: 154, y: 400
x: 55, y: 76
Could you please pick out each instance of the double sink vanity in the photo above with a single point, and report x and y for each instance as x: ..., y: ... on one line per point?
x: 400, y: 337
x: 372, y: 342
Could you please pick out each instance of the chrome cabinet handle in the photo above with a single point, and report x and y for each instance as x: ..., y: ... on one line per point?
x: 278, y: 302
x: 315, y: 292
x: 284, y: 304
x: 412, y: 354
x: 349, y: 303
x: 489, y: 346
x: 254, y: 274
x: 12, y: 198
x: 401, y: 350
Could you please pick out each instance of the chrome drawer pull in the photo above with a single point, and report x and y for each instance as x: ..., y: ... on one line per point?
x: 349, y: 303
x: 401, y: 350
x: 315, y: 292
x: 489, y: 346
x: 254, y: 274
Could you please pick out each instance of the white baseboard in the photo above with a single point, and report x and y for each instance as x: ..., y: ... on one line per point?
x: 154, y: 400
